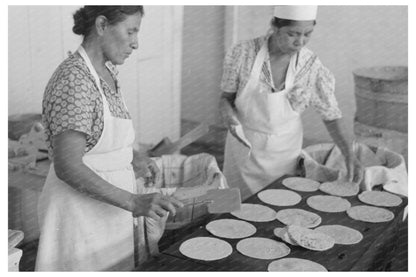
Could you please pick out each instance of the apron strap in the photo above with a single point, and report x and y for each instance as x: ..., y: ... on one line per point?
x: 94, y: 73
x: 258, y: 63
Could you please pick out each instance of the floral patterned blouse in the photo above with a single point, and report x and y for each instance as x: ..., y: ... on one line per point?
x: 72, y: 101
x: 317, y: 84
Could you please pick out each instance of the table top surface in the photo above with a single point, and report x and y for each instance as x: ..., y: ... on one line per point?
x: 338, y: 258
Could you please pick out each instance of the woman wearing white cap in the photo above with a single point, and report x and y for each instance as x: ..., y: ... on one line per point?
x: 267, y: 83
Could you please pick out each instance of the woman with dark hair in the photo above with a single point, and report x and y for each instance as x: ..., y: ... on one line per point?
x: 267, y: 83
x: 88, y: 202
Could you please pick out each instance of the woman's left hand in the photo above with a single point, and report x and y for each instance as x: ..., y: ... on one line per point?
x: 147, y: 169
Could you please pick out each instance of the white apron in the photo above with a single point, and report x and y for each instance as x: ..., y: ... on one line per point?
x: 79, y: 233
x: 273, y: 129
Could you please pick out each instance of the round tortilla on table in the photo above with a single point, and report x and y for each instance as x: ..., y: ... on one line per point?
x: 380, y: 198
x: 231, y: 228
x: 328, y: 203
x: 370, y: 214
x: 340, y: 188
x: 279, y: 197
x: 255, y: 213
x: 262, y: 248
x: 295, y: 264
x: 283, y: 235
x: 298, y: 217
x: 205, y: 248
x: 301, y: 184
x: 310, y: 239
x: 341, y: 234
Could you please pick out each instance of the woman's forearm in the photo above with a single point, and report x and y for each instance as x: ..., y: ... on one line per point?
x: 86, y: 181
x: 339, y: 137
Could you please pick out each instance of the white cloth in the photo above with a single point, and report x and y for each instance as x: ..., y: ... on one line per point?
x: 79, y: 233
x: 273, y: 129
x: 323, y: 162
x: 199, y: 172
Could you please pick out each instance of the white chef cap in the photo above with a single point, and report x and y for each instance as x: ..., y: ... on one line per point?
x: 296, y: 12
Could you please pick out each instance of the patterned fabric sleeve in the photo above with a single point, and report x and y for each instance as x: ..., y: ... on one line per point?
x: 231, y: 69
x: 323, y: 98
x: 67, y: 105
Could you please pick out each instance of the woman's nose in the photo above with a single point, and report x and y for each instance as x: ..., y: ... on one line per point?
x: 135, y: 43
x: 300, y: 41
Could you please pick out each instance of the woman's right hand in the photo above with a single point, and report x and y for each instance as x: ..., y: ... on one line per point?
x: 231, y: 123
x: 154, y: 205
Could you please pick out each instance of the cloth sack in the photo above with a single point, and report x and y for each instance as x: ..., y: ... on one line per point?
x: 181, y: 171
x: 324, y: 162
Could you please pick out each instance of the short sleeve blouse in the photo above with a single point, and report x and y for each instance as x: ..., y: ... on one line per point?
x: 317, y: 85
x: 72, y: 101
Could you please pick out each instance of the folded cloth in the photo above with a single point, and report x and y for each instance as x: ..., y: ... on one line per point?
x: 325, y: 162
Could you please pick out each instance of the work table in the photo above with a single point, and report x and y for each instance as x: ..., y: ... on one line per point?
x: 373, y: 253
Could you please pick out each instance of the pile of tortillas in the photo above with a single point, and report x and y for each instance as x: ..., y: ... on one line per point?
x: 328, y: 203
x: 283, y: 235
x: 205, y: 248
x: 301, y: 184
x: 309, y: 238
x: 295, y: 264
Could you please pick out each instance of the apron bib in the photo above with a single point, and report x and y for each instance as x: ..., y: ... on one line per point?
x: 273, y: 129
x: 79, y: 233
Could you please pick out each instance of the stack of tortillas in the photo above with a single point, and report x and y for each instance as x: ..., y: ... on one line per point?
x: 370, y: 214
x: 295, y: 264
x: 340, y: 188
x: 341, y: 234
x: 283, y: 235
x: 298, y: 217
x: 380, y: 198
x: 310, y: 239
x: 301, y: 184
x: 328, y: 203
x: 255, y: 213
x: 262, y: 248
x: 231, y: 228
x: 206, y: 248
x: 279, y: 197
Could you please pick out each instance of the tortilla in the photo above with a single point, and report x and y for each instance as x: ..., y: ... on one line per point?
x: 279, y: 197
x: 301, y: 184
x: 205, y: 248
x: 231, y: 228
x: 255, y: 213
x: 380, y: 198
x: 262, y: 248
x: 310, y: 239
x: 328, y: 203
x: 295, y: 264
x: 340, y: 188
x: 283, y: 235
x: 370, y: 214
x: 341, y: 234
x: 299, y: 217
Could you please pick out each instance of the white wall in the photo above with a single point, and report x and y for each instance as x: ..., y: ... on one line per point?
x: 40, y: 36
x: 203, y: 53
